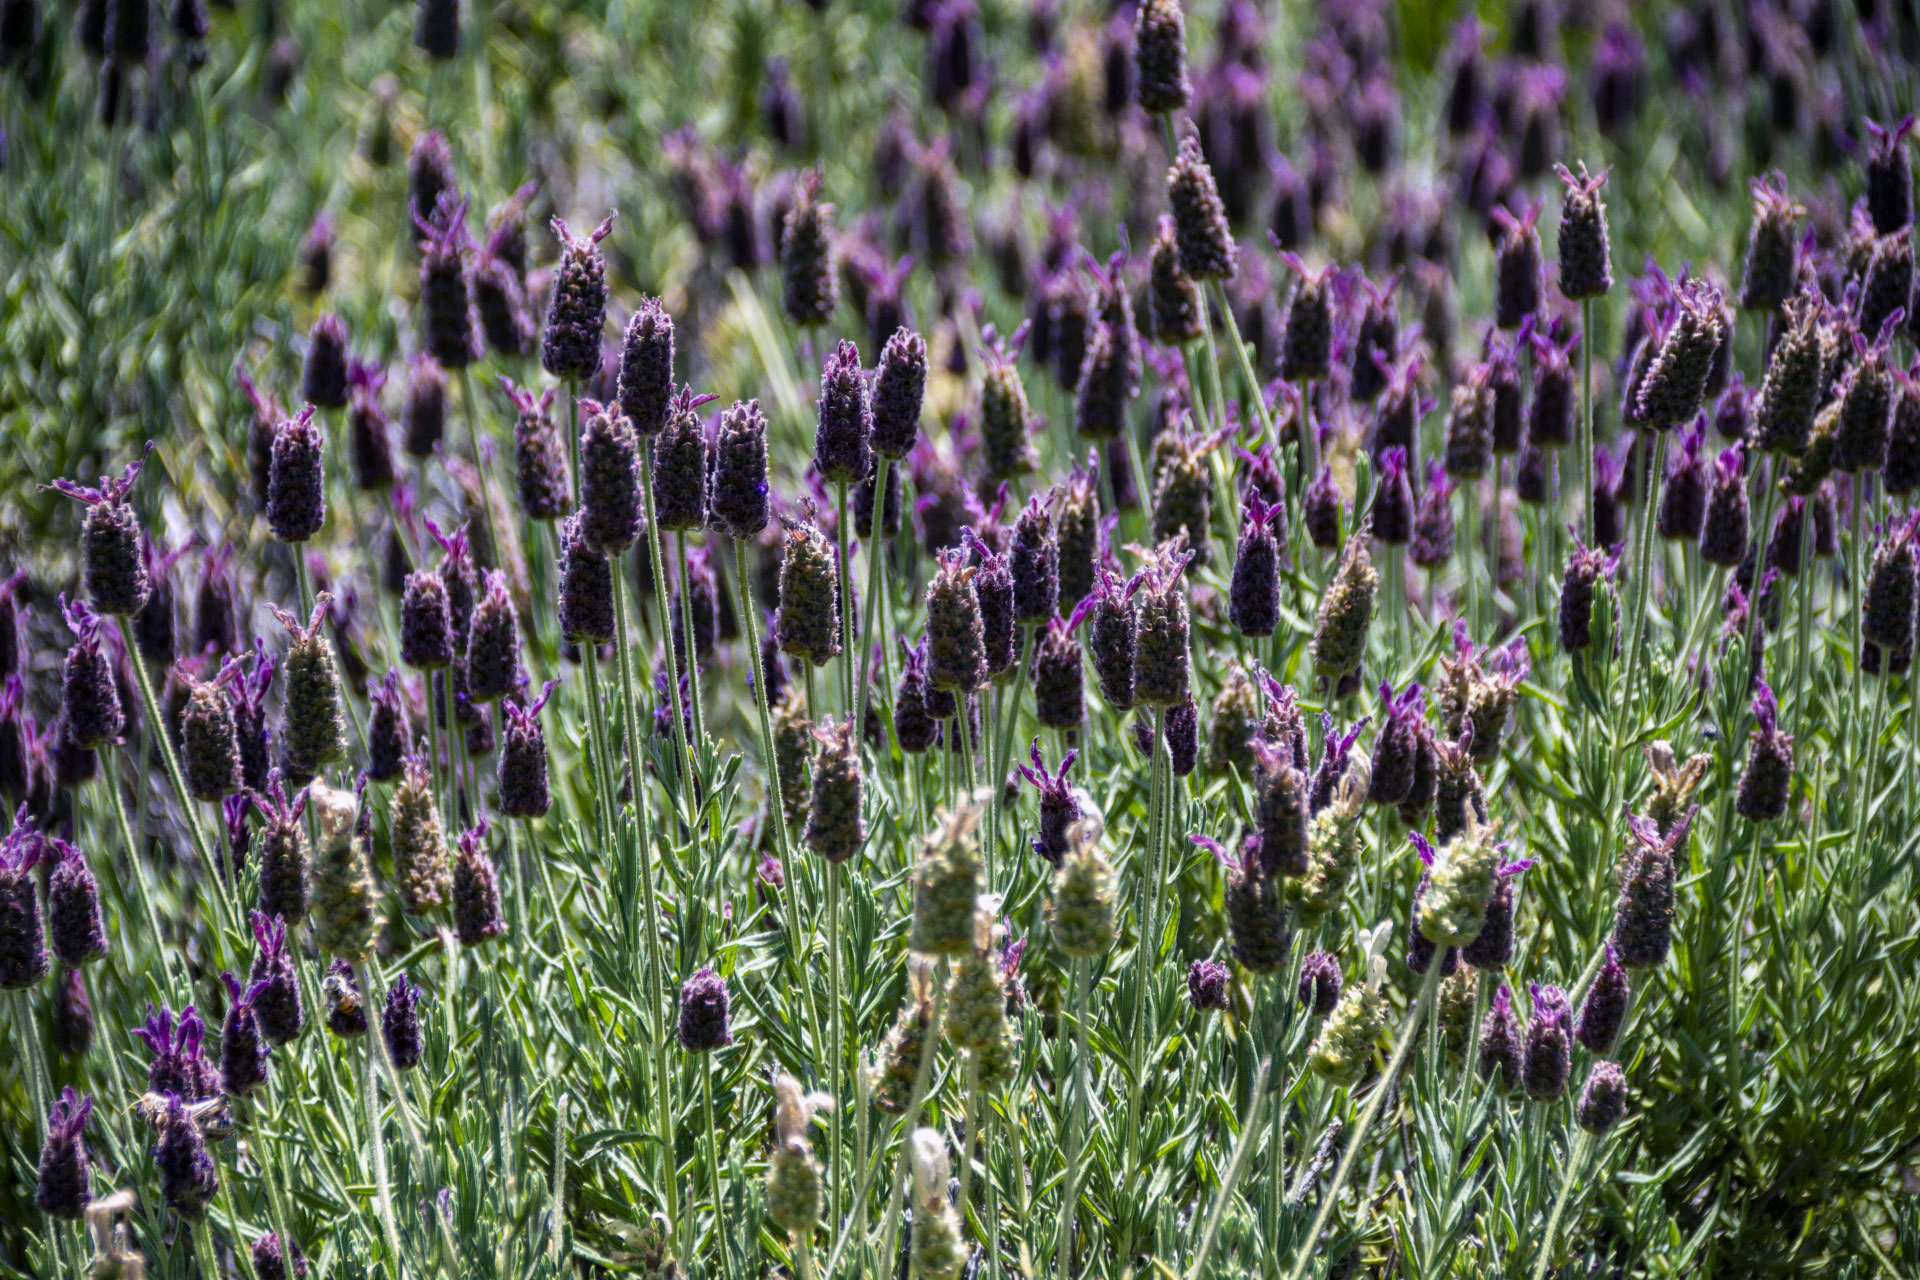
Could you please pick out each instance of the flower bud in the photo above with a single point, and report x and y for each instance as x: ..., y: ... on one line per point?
x: 1319, y: 989
x: 835, y: 828
x: 424, y: 419
x: 500, y: 302
x: 1172, y: 293
x: 76, y: 931
x: 738, y: 502
x: 1006, y: 422
x: 493, y: 644
x: 1059, y: 700
x: 1643, y: 916
x: 1183, y: 737
x: 1724, y: 526
x: 188, y: 1177
x: 1683, y: 499
x: 313, y: 722
x: 1547, y: 1056
x: 1376, y: 344
x: 243, y: 1052
x: 947, y: 881
x: 1685, y: 347
x: 400, y: 1023
x: 1160, y: 57
x: 209, y: 742
x: 1499, y: 1048
x: 1234, y: 723
x: 1183, y: 495
x: 1078, y: 535
x: 1865, y: 396
x: 522, y: 778
x: 1343, y: 1048
x: 448, y: 329
x: 899, y: 387
x: 476, y: 891
x: 703, y: 1024
x: 1306, y: 345
x: 1392, y: 515
x: 586, y: 587
x: 1585, y: 263
x: 577, y: 310
x: 841, y: 451
x: 1161, y: 665
x: 1765, y: 782
x: 64, y: 1182
x: 610, y: 508
x: 976, y: 1017
x: 1469, y: 441
x: 1335, y: 843
x: 420, y: 863
x: 1082, y: 909
x: 1790, y: 390
x: 1604, y: 1009
x: 1432, y: 542
x: 955, y: 631
x: 1253, y: 596
x: 1207, y: 986
x: 1604, y: 1100
x: 273, y: 984
x: 1516, y: 293
x: 23, y: 948
x: 1889, y: 177
x: 1887, y: 609
x: 270, y: 1260
x: 296, y: 486
x: 646, y: 368
x: 1585, y: 570
x: 324, y: 379
x: 1887, y: 286
x: 539, y: 455
x: 1199, y: 219
x: 680, y: 465
x: 808, y: 624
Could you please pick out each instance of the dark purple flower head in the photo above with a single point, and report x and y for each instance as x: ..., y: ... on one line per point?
x: 1764, y: 784
x: 23, y: 949
x: 400, y: 1022
x: 1603, y: 1011
x: 1499, y: 1048
x: 89, y: 693
x: 76, y: 930
x: 111, y: 563
x: 899, y: 387
x: 646, y: 368
x: 1725, y: 524
x: 577, y: 312
x: 841, y: 450
x: 680, y: 464
x: 270, y: 1261
x: 1889, y: 196
x: 1253, y: 596
x: 1205, y: 241
x: 809, y: 287
x: 1207, y: 985
x: 477, y: 917
x: 524, y: 789
x: 1319, y: 987
x: 1333, y: 765
x: 325, y: 379
x: 1683, y: 499
x: 64, y: 1184
x: 189, y: 1178
x: 273, y: 987
x: 1058, y: 808
x: 704, y: 1021
x: 178, y: 1064
x: 243, y: 1051
x: 738, y: 493
x: 1643, y: 916
x: 1586, y: 269
x: 449, y: 330
x: 1517, y: 288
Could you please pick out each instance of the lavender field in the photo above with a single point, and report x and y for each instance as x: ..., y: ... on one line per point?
x: 869, y: 639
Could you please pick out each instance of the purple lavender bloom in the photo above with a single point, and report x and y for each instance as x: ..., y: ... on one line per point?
x: 1059, y: 810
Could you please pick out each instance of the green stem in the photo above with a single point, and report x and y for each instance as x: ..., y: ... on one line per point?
x: 1401, y: 1047
x: 890, y: 1228
x: 847, y: 639
x: 1238, y: 1163
x: 870, y: 607
x: 673, y: 675
x: 1543, y: 1260
x: 1070, y: 1198
x: 1586, y: 413
x: 661, y: 992
x: 692, y: 656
